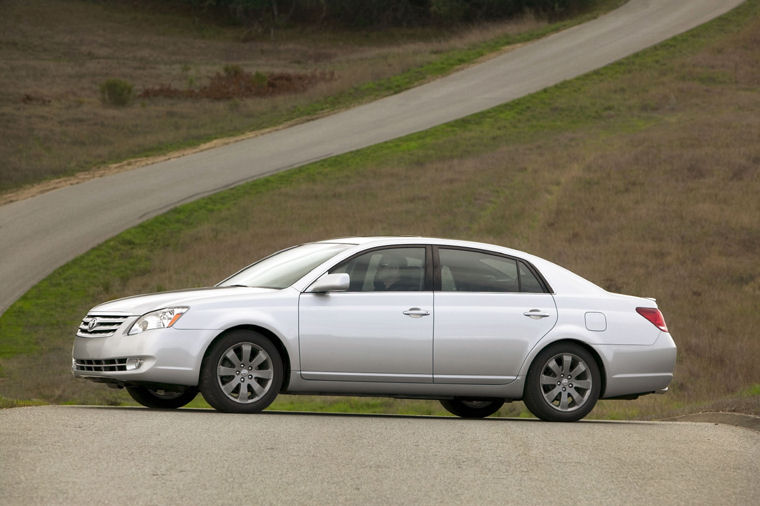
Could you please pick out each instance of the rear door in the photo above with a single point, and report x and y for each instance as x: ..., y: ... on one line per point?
x: 490, y: 310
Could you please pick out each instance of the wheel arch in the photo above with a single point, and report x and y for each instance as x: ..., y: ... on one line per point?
x: 582, y: 344
x: 273, y: 338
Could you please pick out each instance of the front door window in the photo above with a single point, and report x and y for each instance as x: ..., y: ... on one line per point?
x: 386, y: 270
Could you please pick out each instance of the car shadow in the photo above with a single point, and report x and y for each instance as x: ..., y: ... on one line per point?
x: 451, y: 419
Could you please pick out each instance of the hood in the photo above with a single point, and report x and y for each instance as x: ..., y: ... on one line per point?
x: 141, y: 304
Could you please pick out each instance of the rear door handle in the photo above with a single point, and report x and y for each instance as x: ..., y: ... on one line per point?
x: 415, y: 312
x: 536, y: 314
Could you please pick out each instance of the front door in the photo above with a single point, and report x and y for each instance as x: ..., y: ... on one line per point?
x: 380, y: 330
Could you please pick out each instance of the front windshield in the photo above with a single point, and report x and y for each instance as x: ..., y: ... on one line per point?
x: 285, y: 267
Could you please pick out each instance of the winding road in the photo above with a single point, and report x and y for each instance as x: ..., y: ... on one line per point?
x: 41, y: 233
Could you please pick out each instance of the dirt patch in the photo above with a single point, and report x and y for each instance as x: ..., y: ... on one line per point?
x: 33, y: 99
x: 234, y: 82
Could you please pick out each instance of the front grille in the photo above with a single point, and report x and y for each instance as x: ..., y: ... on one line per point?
x: 104, y: 326
x: 113, y: 364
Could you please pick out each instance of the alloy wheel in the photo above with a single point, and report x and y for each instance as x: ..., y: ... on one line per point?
x: 244, y: 372
x: 566, y: 382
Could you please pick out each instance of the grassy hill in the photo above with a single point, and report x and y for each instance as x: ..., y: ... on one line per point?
x: 642, y: 177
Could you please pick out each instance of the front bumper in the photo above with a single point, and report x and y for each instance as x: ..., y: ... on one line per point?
x: 162, y: 356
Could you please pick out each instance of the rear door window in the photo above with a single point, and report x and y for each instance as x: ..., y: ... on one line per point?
x: 477, y: 271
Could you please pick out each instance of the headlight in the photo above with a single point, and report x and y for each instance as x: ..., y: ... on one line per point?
x: 161, y: 319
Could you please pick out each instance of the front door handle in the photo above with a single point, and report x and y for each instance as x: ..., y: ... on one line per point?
x: 415, y: 312
x: 536, y: 314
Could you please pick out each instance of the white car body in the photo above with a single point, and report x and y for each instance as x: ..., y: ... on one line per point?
x: 428, y: 343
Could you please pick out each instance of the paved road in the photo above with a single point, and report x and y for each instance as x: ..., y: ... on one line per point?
x: 39, y: 234
x: 79, y: 455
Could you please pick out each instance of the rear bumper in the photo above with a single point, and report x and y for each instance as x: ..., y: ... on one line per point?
x: 638, y: 370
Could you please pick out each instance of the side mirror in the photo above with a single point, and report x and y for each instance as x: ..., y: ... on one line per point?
x: 331, y: 283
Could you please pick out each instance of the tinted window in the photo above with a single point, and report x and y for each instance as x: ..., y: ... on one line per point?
x: 392, y: 269
x: 473, y: 271
x: 476, y: 271
x: 528, y: 281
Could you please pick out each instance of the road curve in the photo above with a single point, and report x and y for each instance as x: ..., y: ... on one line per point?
x: 79, y: 455
x: 41, y: 233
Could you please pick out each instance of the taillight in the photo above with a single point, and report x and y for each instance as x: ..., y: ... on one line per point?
x: 653, y: 315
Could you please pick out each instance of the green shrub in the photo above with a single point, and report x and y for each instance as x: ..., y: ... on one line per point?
x: 233, y: 71
x: 116, y: 92
x: 259, y: 80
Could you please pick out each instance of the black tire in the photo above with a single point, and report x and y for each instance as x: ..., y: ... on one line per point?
x: 158, y: 398
x: 242, y: 373
x: 563, y: 383
x: 472, y: 408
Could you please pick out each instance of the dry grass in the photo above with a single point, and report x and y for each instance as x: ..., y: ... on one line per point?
x: 55, y: 54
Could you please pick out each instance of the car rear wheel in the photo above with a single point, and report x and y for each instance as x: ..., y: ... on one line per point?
x: 471, y: 408
x: 242, y: 373
x: 563, y: 383
x: 158, y: 398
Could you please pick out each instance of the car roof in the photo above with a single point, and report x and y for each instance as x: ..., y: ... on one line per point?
x: 408, y: 239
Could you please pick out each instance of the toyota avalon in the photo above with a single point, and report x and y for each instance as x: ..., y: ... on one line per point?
x: 472, y: 325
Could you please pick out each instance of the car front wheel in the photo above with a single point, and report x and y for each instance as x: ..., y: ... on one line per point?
x: 158, y: 398
x: 242, y: 373
x: 563, y: 383
x: 467, y: 408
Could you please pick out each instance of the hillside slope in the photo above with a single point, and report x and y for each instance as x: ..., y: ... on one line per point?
x: 642, y: 177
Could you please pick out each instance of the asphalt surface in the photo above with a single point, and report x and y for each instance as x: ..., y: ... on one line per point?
x: 83, y: 455
x: 39, y: 234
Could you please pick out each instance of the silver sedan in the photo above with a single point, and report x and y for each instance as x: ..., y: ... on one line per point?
x: 470, y: 324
